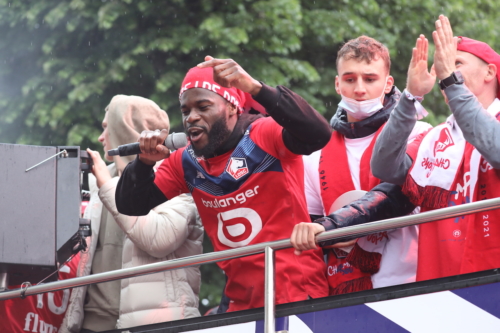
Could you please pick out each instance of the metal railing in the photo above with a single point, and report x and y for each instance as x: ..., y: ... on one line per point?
x: 268, y: 248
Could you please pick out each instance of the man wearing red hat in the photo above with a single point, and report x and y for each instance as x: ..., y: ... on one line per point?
x: 456, y: 162
x: 244, y: 172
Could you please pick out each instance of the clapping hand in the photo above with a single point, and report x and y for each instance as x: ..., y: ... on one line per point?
x: 446, y: 48
x: 420, y: 81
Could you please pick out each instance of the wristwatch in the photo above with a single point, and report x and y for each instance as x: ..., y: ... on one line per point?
x: 455, y: 78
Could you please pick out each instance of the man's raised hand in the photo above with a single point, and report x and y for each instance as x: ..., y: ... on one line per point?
x: 152, y: 148
x: 304, y: 236
x: 446, y: 48
x: 420, y: 81
x: 229, y: 74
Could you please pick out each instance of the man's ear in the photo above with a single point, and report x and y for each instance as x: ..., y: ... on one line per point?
x: 491, y: 74
x: 389, y: 85
x: 337, y: 84
x: 232, y: 109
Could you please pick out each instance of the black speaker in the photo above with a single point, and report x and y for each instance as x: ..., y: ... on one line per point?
x: 40, y: 197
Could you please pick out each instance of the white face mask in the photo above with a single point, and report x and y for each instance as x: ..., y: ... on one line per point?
x: 362, y: 109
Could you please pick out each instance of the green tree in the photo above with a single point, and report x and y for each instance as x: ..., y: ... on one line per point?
x: 61, y: 61
x: 64, y: 60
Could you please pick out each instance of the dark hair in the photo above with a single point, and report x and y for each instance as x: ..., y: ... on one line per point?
x: 364, y: 48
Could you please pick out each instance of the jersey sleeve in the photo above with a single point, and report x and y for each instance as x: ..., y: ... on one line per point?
x: 169, y: 177
x: 268, y: 135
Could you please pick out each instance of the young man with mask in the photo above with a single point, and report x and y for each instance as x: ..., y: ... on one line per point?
x: 368, y: 98
x: 454, y: 163
x: 245, y: 173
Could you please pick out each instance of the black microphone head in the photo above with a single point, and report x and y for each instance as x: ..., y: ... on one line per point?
x: 113, y: 152
x: 176, y: 140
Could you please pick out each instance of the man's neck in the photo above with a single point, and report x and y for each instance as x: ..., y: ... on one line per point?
x: 243, y: 121
x: 231, y: 121
x: 486, y: 101
x: 351, y: 119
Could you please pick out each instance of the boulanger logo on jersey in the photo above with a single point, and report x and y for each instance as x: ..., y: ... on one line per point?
x: 237, y: 167
x: 238, y: 227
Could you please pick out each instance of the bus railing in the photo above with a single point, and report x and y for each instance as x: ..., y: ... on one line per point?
x: 267, y: 247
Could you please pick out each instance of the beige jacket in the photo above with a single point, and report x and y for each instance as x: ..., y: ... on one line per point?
x: 171, y: 230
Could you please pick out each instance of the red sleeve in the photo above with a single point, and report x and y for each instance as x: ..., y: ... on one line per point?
x: 410, y: 188
x: 169, y: 177
x: 268, y: 135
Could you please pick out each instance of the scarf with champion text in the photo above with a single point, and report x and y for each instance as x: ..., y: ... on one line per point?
x: 449, y: 171
x: 349, y: 270
x: 352, y: 270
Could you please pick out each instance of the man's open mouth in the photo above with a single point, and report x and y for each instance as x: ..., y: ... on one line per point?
x: 195, y: 133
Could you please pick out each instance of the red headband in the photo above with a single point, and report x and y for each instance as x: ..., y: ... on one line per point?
x: 483, y: 51
x: 203, y: 78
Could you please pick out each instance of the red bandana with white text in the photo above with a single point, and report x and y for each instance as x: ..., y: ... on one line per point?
x: 203, y: 78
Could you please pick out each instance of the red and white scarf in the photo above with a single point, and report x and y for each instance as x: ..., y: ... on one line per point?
x: 351, y: 271
x: 449, y: 171
x: 334, y: 173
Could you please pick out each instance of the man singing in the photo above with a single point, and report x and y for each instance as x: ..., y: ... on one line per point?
x: 244, y: 171
x: 457, y: 162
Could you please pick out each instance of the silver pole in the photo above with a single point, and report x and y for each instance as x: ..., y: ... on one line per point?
x: 407, y: 220
x: 212, y: 257
x: 269, y: 322
x: 200, y: 259
x: 4, y: 281
x: 63, y: 152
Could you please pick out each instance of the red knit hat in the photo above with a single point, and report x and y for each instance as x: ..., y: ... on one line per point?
x: 203, y: 78
x: 482, y: 51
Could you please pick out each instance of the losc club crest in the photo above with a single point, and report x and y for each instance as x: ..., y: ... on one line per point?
x: 237, y: 167
x: 445, y: 140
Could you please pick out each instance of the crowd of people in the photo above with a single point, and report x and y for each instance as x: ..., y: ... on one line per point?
x: 263, y: 165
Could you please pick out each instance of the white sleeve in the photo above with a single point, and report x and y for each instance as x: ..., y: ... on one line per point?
x: 311, y: 184
x: 419, y: 128
x: 160, y: 232
x: 399, y: 249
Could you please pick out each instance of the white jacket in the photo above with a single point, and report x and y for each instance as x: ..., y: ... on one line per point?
x: 171, y: 230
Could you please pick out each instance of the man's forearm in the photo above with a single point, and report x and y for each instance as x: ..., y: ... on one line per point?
x: 305, y: 130
x: 136, y: 192
x: 479, y: 128
x: 389, y: 160
x: 384, y: 201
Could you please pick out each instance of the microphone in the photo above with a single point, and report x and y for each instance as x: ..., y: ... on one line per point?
x: 173, y: 141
